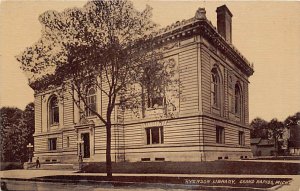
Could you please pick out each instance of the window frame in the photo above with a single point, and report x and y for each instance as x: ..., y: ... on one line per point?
x: 220, y: 135
x: 53, y: 111
x: 237, y: 100
x: 152, y: 102
x: 90, y: 97
x: 215, y: 88
x: 150, y: 135
x: 231, y: 101
x: 52, y: 144
x: 241, y: 135
x: 155, y: 96
x: 67, y: 141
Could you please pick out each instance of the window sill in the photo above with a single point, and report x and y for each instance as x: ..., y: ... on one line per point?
x: 153, y: 108
x: 238, y: 115
x: 153, y: 145
x: 54, y: 125
x: 153, y: 112
x: 52, y: 151
x: 215, y: 107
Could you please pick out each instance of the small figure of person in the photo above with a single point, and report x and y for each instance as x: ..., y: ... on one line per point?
x: 38, y: 165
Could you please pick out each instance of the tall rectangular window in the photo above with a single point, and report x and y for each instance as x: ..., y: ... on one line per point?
x: 238, y: 100
x: 230, y: 95
x: 68, y: 142
x: 52, y: 144
x: 215, y: 88
x: 230, y: 102
x: 154, y: 135
x: 155, y: 99
x: 91, y: 102
x: 241, y: 138
x: 54, y: 111
x: 220, y: 135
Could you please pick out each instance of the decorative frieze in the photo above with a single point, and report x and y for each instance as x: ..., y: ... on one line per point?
x: 187, y: 41
x: 154, y: 124
x: 170, y: 46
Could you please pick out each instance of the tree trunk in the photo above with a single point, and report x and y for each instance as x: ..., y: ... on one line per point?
x: 108, y: 151
x: 276, y: 147
x: 143, y: 103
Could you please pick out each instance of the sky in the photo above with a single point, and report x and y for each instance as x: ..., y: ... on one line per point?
x: 266, y: 33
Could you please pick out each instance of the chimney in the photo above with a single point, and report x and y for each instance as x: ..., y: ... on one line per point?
x: 224, y: 25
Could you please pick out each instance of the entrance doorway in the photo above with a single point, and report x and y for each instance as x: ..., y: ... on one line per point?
x: 86, y: 144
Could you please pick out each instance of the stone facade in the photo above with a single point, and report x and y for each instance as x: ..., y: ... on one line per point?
x: 212, y: 115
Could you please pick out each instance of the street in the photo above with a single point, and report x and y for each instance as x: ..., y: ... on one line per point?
x: 50, y: 186
x: 46, y: 180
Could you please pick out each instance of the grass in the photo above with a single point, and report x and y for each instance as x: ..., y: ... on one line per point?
x: 211, y: 167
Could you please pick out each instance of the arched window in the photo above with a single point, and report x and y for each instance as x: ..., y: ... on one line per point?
x: 238, y: 99
x: 230, y: 94
x: 215, y: 88
x: 54, y: 111
x: 91, y: 102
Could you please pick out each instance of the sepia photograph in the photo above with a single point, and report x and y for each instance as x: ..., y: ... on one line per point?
x: 176, y: 95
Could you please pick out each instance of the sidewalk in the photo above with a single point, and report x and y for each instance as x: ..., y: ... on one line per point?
x: 73, y: 176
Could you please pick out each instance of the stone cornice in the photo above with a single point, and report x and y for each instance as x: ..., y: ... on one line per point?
x: 197, y: 25
x: 201, y: 26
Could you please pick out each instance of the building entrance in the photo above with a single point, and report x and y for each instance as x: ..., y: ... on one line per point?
x: 86, y: 144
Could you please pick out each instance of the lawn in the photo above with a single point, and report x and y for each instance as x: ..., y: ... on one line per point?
x: 211, y: 167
